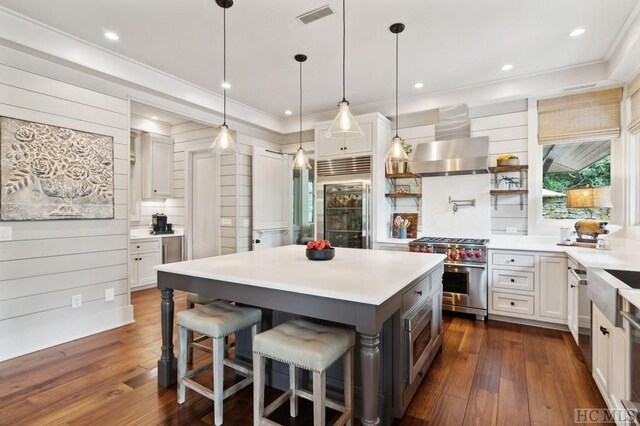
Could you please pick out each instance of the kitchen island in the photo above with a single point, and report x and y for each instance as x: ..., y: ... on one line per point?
x: 360, y: 288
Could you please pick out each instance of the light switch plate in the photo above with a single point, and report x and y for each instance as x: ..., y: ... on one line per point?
x: 6, y: 233
x: 76, y: 300
x: 245, y: 223
x: 511, y: 229
x: 109, y: 295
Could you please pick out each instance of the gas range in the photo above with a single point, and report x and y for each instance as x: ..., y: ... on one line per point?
x: 458, y: 250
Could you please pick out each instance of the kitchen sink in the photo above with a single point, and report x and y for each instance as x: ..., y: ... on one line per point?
x: 630, y: 278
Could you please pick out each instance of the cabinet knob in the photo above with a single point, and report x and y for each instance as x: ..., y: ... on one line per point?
x: 257, y: 241
x: 573, y: 286
x: 513, y: 280
x: 604, y: 331
x: 155, y: 190
x: 513, y: 260
x: 513, y: 303
x: 137, y: 246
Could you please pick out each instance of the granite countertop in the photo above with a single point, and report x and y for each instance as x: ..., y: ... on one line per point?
x: 362, y: 276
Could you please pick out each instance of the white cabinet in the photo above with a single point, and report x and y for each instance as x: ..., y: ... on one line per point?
x: 157, y: 166
x: 553, y: 283
x: 330, y: 147
x: 610, y: 360
x: 143, y: 256
x: 573, y: 299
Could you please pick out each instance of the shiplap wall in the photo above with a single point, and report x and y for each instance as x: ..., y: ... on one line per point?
x: 49, y: 261
x: 507, y: 134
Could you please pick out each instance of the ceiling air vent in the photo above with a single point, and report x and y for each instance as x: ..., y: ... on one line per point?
x: 314, y: 15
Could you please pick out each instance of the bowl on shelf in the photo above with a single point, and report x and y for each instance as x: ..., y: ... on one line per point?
x: 326, y: 254
x: 508, y: 162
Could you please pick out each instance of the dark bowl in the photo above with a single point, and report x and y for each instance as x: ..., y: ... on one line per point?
x: 321, y: 254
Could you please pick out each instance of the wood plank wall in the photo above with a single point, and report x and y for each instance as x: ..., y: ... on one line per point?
x: 49, y: 261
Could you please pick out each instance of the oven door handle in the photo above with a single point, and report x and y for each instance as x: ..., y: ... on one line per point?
x: 631, y: 319
x: 465, y: 265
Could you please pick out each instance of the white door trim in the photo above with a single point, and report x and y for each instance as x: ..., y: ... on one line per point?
x: 188, y: 198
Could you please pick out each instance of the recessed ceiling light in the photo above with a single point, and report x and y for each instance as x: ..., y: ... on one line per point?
x: 577, y: 32
x: 507, y: 67
x: 225, y: 85
x: 154, y: 117
x: 111, y: 35
x: 288, y: 112
x: 418, y: 85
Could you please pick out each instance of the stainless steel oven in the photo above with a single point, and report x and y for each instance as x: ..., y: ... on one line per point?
x: 632, y: 316
x: 418, y: 339
x: 465, y: 288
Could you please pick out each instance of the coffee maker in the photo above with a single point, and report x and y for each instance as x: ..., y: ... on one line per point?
x: 160, y: 225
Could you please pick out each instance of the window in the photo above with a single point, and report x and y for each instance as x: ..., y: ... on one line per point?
x: 574, y: 165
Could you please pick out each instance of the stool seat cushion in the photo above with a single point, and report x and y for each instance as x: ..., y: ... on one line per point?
x: 200, y: 299
x: 218, y: 319
x: 304, y: 344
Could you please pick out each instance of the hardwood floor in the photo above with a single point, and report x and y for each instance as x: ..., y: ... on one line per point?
x: 487, y: 374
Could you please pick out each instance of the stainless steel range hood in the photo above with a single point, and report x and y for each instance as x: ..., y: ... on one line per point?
x: 454, y: 152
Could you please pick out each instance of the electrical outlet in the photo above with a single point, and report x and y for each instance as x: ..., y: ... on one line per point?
x: 76, y: 300
x: 109, y: 295
x: 245, y: 223
x: 511, y: 229
x: 226, y: 221
x: 6, y: 233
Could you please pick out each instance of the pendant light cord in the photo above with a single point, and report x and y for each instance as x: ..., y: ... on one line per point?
x: 344, y: 48
x: 396, y: 85
x: 301, y: 105
x: 224, y: 63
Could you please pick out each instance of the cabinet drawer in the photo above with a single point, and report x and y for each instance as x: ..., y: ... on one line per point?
x: 416, y: 294
x: 507, y: 259
x: 513, y: 303
x: 144, y: 246
x: 514, y: 280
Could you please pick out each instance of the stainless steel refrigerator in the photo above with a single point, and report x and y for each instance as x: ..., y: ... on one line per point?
x: 343, y: 202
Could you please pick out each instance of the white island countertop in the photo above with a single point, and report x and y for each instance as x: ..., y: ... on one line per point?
x: 356, y: 275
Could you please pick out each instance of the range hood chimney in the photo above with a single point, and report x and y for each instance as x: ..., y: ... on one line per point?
x: 454, y: 151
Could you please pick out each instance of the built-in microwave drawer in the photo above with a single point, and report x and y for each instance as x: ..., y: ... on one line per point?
x: 507, y: 259
x: 513, y: 303
x: 513, y: 280
x: 144, y: 246
x: 416, y: 294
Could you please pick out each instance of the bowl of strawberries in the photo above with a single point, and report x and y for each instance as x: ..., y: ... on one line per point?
x: 320, y: 250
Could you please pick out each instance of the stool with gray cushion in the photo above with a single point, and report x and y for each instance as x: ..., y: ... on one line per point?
x: 314, y: 347
x: 192, y: 300
x: 216, y: 320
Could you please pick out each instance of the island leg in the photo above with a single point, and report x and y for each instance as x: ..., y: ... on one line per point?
x: 167, y: 364
x: 369, y: 372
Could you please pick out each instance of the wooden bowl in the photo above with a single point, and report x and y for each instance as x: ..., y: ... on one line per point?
x: 508, y: 162
x: 313, y: 254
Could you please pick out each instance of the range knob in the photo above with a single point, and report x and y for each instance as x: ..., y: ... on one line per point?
x: 469, y: 254
x: 478, y: 255
x: 429, y: 250
x: 423, y: 249
x: 452, y: 256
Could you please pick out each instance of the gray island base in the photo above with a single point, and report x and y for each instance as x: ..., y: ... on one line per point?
x: 359, y: 288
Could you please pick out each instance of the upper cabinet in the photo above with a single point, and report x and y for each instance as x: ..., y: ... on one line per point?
x: 157, y: 166
x: 330, y: 148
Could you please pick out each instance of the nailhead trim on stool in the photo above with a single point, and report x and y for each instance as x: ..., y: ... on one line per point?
x: 311, y: 346
x: 216, y: 320
x: 194, y: 299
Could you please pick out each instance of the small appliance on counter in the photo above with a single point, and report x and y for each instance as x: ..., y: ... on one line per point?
x: 159, y: 224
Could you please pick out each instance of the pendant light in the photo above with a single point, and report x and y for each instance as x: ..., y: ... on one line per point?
x: 301, y: 161
x: 344, y: 125
x: 396, y: 151
x: 224, y: 143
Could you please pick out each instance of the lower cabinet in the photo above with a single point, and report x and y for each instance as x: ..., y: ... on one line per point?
x: 553, y: 282
x: 610, y: 367
x: 141, y: 272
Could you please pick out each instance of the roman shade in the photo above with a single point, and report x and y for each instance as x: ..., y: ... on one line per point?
x: 592, y: 116
x: 634, y: 97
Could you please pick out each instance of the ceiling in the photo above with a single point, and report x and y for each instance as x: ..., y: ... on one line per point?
x: 446, y: 44
x: 145, y: 111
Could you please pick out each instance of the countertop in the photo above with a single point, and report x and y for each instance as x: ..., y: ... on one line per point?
x: 632, y: 295
x: 362, y: 276
x: 143, y: 234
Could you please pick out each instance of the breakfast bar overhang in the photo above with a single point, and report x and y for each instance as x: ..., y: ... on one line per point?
x: 360, y: 288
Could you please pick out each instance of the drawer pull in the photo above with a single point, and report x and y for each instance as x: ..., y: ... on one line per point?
x: 419, y: 292
x: 604, y: 331
x: 513, y: 303
x: 137, y: 246
x: 513, y: 260
x: 573, y: 286
x: 513, y: 280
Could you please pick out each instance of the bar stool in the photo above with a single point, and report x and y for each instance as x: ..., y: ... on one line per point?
x: 314, y: 347
x: 216, y: 320
x: 192, y: 300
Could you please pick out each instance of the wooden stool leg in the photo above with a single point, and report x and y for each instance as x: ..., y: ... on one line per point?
x: 258, y: 388
x: 319, y: 389
x: 182, y: 362
x: 293, y: 400
x: 348, y: 384
x: 218, y: 379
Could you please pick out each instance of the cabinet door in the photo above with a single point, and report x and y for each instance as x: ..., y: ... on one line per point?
x: 146, y: 261
x: 572, y: 305
x: 553, y: 284
x: 359, y: 145
x: 619, y: 370
x: 328, y: 147
x: 133, y: 270
x: 601, y: 346
x: 162, y: 172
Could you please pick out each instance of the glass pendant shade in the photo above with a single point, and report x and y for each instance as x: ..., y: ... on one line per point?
x: 301, y: 161
x: 224, y: 143
x: 396, y: 152
x: 344, y: 125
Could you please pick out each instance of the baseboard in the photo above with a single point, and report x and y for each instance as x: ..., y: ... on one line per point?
x: 533, y: 323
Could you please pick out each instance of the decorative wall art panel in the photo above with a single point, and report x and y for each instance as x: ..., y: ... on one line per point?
x: 49, y: 172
